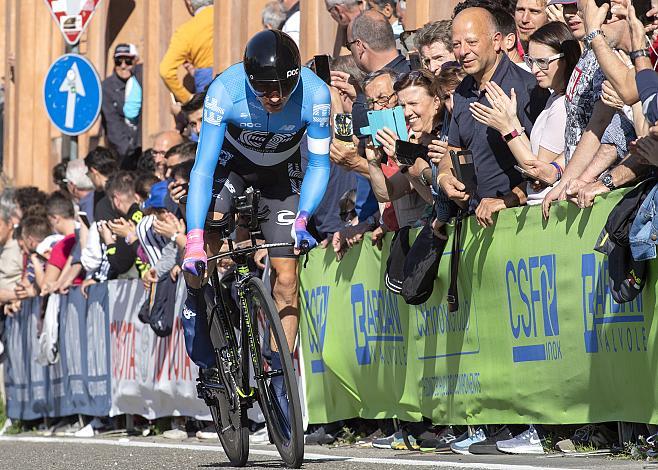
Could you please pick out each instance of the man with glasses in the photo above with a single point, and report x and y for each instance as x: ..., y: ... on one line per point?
x: 161, y: 145
x: 371, y: 41
x: 123, y: 135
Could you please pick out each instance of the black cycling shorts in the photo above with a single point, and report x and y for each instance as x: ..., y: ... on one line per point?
x: 279, y: 187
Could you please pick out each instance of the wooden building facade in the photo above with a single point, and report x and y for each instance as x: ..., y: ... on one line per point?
x: 30, y: 42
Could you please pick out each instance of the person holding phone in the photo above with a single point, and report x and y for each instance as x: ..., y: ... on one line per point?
x: 552, y: 54
x: 417, y: 93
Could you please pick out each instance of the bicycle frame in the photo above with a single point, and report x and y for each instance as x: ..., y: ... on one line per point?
x: 249, y: 335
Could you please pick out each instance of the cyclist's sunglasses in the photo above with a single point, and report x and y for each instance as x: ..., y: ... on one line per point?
x: 267, y: 88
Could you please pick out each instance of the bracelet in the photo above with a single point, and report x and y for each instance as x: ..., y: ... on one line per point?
x: 441, y: 175
x: 590, y: 37
x: 559, y: 170
x: 174, y: 237
x: 634, y: 55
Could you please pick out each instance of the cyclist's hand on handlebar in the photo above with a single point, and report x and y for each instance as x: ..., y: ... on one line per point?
x: 195, y: 262
x: 304, y: 242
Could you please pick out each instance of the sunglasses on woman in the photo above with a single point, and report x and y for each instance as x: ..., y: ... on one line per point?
x: 542, y: 62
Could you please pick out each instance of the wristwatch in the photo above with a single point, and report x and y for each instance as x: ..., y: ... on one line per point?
x: 606, y: 179
x: 514, y: 134
x: 590, y: 37
x: 639, y: 53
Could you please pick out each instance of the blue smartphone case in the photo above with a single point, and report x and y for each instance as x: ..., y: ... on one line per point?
x: 390, y: 118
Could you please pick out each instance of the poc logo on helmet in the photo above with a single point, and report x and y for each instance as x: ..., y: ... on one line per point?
x: 292, y: 73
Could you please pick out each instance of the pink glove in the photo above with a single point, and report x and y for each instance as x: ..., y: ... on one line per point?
x: 194, y: 252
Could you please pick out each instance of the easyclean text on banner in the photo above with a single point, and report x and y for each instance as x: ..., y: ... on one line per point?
x: 537, y: 337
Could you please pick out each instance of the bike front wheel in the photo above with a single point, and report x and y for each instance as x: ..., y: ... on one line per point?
x: 285, y: 429
x: 228, y: 413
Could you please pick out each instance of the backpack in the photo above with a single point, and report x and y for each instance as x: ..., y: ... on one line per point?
x: 394, y: 277
x: 626, y: 276
x: 163, y: 305
x: 421, y: 266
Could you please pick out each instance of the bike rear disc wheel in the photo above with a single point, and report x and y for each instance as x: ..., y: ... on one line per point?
x: 229, y: 415
x: 286, y: 432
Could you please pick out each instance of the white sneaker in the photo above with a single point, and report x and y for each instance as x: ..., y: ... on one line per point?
x: 5, y: 426
x: 87, y: 431
x: 260, y: 437
x: 207, y: 433
x: 175, y: 434
x: 528, y: 442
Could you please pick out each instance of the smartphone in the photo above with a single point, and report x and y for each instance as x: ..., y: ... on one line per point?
x: 407, y: 153
x: 464, y: 169
x: 184, y: 186
x: 84, y: 218
x: 322, y: 69
x: 414, y: 61
x: 393, y: 119
x: 529, y: 177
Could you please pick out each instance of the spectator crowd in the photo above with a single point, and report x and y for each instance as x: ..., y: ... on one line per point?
x: 546, y: 100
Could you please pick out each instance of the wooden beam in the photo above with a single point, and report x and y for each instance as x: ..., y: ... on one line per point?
x: 318, y: 29
x: 157, y: 31
x: 420, y: 12
x: 235, y: 22
x: 10, y: 116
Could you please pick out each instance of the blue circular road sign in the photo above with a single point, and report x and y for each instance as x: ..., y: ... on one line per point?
x: 72, y: 94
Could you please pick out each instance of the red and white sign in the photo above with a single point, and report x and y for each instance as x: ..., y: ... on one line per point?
x: 72, y: 16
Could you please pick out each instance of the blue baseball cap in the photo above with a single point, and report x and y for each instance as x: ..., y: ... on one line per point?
x: 157, y: 196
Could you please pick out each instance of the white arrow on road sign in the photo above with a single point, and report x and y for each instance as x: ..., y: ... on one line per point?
x: 72, y: 85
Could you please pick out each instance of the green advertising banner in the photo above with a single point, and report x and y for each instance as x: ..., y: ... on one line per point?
x: 537, y: 338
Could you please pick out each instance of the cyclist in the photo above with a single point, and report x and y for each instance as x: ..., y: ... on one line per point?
x: 254, y: 118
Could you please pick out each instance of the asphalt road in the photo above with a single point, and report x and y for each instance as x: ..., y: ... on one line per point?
x: 32, y: 452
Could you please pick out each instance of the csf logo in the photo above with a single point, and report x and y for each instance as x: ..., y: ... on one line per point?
x: 532, y: 302
x: 292, y: 73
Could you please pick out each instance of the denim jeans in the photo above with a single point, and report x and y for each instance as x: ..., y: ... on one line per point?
x: 643, y: 234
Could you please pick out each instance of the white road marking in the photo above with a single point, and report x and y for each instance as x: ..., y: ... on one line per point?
x: 124, y: 442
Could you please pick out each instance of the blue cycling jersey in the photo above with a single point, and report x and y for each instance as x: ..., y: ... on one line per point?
x: 235, y: 124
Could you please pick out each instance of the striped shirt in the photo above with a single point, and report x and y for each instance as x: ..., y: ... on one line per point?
x: 151, y: 242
